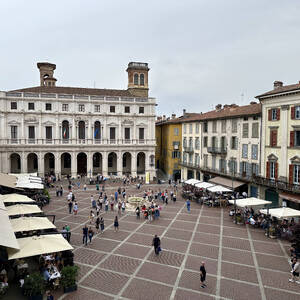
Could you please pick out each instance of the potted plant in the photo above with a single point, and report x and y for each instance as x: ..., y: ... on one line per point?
x: 68, y: 278
x: 34, y: 286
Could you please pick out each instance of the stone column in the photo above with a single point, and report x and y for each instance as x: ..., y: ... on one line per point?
x: 41, y: 164
x: 24, y: 162
x: 133, y: 165
x: 57, y: 165
x: 119, y: 164
x: 89, y: 167
x: 88, y: 135
x: 73, y: 164
x: 283, y: 160
x: 104, y: 164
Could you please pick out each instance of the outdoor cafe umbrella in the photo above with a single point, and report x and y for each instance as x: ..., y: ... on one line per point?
x: 249, y: 202
x: 37, y: 245
x: 192, y: 181
x: 204, y: 185
x: 22, y: 209
x: 282, y: 212
x: 15, y: 198
x: 31, y: 223
x: 219, y: 189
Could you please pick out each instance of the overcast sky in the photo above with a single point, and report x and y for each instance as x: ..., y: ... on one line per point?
x: 200, y: 53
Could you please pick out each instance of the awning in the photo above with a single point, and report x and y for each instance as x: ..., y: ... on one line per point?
x: 30, y: 185
x: 37, y: 245
x: 226, y: 182
x: 192, y: 181
x: 15, y: 198
x: 31, y: 223
x: 282, y: 212
x: 250, y: 202
x: 7, y: 235
x: 22, y: 209
x: 219, y: 189
x: 9, y: 181
x: 203, y: 185
x: 290, y: 197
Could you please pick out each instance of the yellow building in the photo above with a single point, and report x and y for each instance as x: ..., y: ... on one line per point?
x: 168, y: 151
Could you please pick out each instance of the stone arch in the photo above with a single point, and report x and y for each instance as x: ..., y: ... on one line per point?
x: 49, y: 163
x: 32, y: 163
x: 97, y: 163
x: 15, y: 163
x: 141, y: 163
x: 112, y: 160
x: 66, y: 162
x: 126, y: 163
x: 82, y: 163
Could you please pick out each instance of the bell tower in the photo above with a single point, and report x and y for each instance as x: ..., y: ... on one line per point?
x: 46, y: 73
x: 138, y: 79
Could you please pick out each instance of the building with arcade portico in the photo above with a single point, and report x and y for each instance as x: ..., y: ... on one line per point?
x: 70, y: 130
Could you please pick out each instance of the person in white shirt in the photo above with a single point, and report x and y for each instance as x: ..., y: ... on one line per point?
x: 295, y: 271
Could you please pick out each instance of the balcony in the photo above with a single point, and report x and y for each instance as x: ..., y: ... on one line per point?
x: 217, y: 150
x: 188, y: 149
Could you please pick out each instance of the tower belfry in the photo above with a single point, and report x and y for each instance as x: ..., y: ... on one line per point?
x: 46, y: 73
x: 138, y: 79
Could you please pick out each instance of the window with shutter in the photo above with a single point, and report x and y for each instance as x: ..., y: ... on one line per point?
x: 292, y: 138
x: 296, y: 177
x: 297, y: 112
x: 276, y: 170
x: 254, y: 151
x: 245, y: 151
x: 278, y: 114
x: 268, y: 169
x: 291, y: 173
x: 255, y: 130
x: 269, y: 114
x: 245, y: 130
x: 293, y: 112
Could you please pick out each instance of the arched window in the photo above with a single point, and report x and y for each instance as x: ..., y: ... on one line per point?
x: 136, y: 79
x: 142, y: 79
x: 97, y: 127
x: 65, y: 130
x: 81, y: 130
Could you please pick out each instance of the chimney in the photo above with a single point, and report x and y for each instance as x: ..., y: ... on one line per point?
x: 253, y: 102
x: 218, y: 107
x: 183, y: 111
x: 173, y: 116
x: 164, y: 117
x: 226, y: 106
x: 46, y: 73
x: 278, y: 84
x: 234, y: 105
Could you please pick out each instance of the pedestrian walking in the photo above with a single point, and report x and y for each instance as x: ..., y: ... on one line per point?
x: 112, y: 203
x: 91, y: 234
x: 106, y: 205
x: 156, y: 244
x: 295, y: 271
x: 64, y: 232
x: 97, y: 224
x: 75, y: 208
x: 138, y: 212
x: 188, y: 205
x: 85, y: 235
x: 202, y: 275
x: 84, y: 187
x: 91, y: 217
x: 70, y: 204
x: 123, y: 206
x: 119, y: 207
x: 68, y: 229
x: 116, y: 224
x: 174, y: 197
x: 101, y: 224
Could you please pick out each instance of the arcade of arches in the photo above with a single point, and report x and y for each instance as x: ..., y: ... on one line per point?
x: 83, y: 163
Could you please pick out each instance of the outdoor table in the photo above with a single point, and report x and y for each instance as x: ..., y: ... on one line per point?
x: 23, y: 266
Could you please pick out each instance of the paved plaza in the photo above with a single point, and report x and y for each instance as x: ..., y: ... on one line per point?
x: 241, y: 262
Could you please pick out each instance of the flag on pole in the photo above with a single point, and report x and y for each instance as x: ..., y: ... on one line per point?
x: 65, y: 133
x: 96, y: 132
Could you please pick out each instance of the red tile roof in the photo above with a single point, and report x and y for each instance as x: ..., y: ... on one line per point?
x: 178, y: 120
x: 282, y: 89
x: 76, y: 91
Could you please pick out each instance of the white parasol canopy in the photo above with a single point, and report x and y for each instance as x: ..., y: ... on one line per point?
x: 22, y: 209
x: 249, y: 202
x: 15, y: 198
x: 7, y: 236
x: 31, y: 223
x: 36, y: 245
x: 192, y: 181
x: 204, y: 185
x: 282, y: 212
x: 219, y: 189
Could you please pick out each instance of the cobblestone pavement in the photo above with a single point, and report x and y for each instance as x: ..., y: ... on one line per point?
x: 241, y: 262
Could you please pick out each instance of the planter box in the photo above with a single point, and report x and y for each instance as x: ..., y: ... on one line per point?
x: 70, y: 289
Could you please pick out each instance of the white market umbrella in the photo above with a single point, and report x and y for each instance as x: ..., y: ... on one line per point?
x: 15, y: 198
x: 192, y: 181
x: 219, y: 189
x: 249, y: 202
x: 31, y: 223
x: 22, y: 209
x: 204, y: 185
x: 37, y: 245
x: 282, y: 212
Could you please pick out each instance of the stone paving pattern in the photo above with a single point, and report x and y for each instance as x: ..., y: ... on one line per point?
x: 241, y: 262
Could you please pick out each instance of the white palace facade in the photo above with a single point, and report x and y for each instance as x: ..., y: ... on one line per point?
x: 50, y: 129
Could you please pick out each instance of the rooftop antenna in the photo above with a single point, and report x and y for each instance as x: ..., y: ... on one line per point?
x: 242, y: 98
x: 94, y: 84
